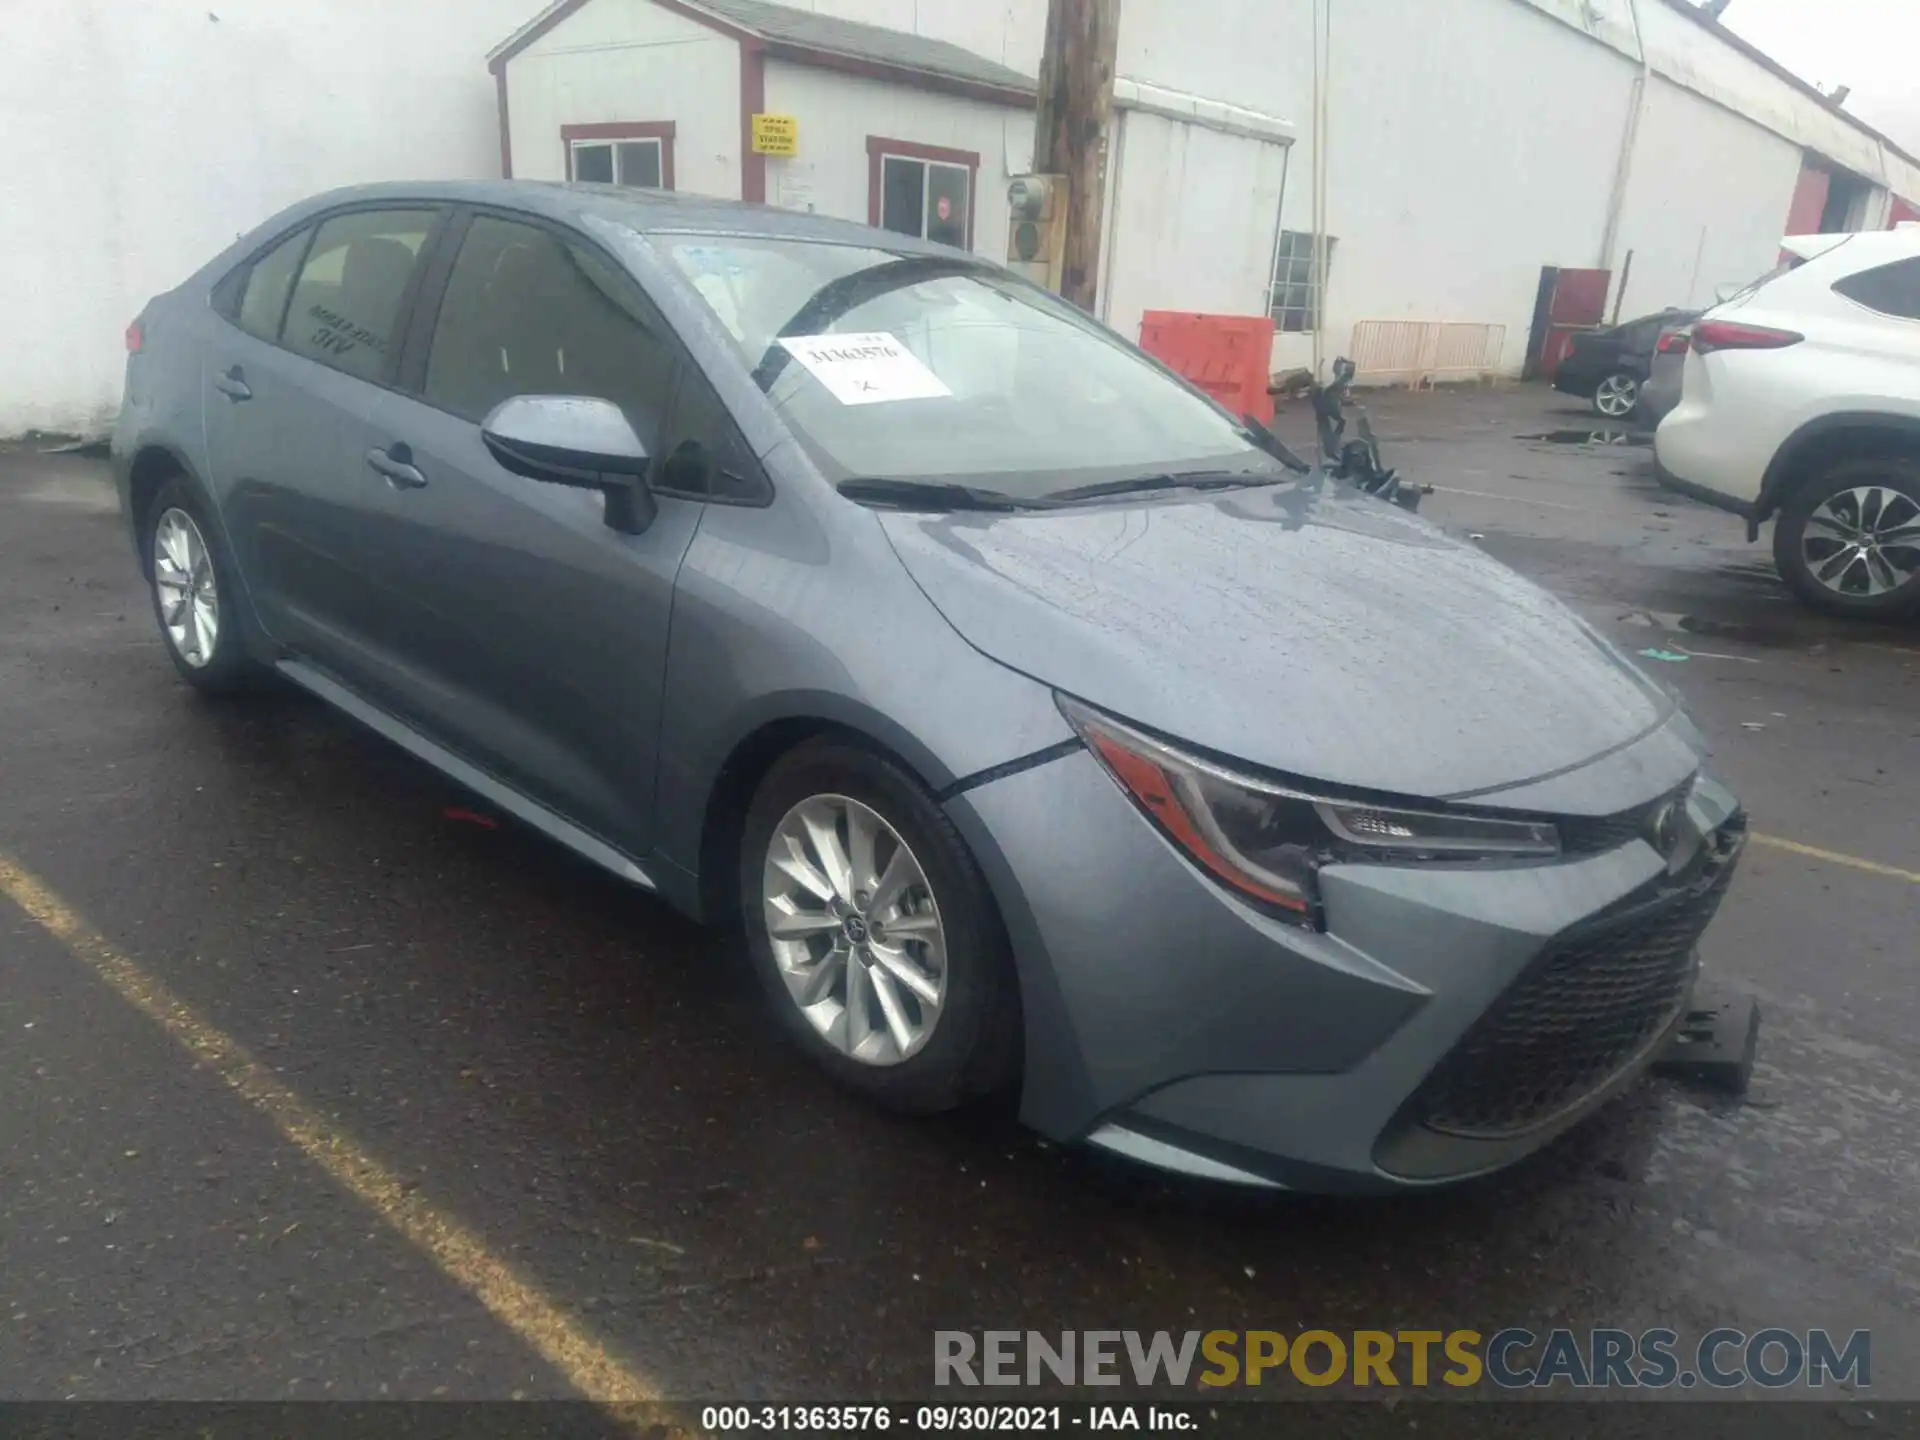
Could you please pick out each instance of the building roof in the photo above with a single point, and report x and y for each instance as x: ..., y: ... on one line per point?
x: 868, y: 42
x: 801, y: 35
x: 1753, y: 52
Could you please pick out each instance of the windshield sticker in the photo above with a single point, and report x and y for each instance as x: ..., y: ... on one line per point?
x: 865, y: 369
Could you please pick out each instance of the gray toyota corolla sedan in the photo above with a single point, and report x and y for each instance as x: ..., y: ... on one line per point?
x: 1044, y: 732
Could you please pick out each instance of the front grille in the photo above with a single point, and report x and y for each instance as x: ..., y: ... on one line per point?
x: 1593, y: 834
x: 1579, y: 1014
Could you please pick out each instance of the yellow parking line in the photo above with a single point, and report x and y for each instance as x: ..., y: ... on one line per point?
x: 512, y: 1299
x: 1835, y: 857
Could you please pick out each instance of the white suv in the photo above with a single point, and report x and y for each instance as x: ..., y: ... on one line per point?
x: 1801, y: 399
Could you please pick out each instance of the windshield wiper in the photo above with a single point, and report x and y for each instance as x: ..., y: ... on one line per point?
x: 1190, y: 480
x: 930, y: 495
x: 1266, y: 440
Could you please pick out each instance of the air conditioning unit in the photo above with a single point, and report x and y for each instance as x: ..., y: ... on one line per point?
x: 1037, y: 231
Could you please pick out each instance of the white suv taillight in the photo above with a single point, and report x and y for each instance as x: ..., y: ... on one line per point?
x: 1711, y: 335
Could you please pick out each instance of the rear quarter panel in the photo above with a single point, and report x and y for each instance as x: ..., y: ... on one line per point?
x: 1852, y: 361
x: 1739, y: 407
x: 160, y: 404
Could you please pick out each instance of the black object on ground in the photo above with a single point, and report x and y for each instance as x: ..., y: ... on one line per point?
x: 1715, y: 1046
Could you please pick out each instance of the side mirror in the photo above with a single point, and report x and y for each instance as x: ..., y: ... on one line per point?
x: 575, y: 440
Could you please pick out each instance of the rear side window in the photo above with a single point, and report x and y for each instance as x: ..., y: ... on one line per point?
x: 264, y: 300
x: 346, y: 304
x: 1891, y: 289
x: 527, y: 313
x: 1641, y: 335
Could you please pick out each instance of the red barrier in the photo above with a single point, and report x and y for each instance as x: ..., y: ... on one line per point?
x: 1225, y: 355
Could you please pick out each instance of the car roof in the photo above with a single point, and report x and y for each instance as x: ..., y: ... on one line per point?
x: 645, y: 211
x: 1864, y: 248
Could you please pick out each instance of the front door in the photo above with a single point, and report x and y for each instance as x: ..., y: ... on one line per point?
x: 289, y: 390
x: 532, y: 638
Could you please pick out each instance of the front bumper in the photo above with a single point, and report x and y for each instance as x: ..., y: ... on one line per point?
x: 1423, y: 1037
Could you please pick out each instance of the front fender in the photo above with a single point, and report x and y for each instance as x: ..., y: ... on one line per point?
x: 778, y: 617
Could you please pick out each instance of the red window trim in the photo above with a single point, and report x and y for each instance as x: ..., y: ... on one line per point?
x: 661, y: 130
x: 879, y: 145
x: 753, y: 101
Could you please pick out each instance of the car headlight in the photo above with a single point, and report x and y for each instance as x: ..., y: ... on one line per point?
x: 1267, y: 841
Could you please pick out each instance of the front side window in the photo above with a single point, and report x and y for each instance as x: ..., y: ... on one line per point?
x: 917, y: 194
x: 938, y: 368
x: 345, y: 309
x: 528, y: 313
x: 1891, y: 289
x: 264, y: 302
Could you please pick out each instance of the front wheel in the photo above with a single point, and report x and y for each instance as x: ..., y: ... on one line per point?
x: 873, y: 932
x: 1616, y: 395
x: 1848, y: 541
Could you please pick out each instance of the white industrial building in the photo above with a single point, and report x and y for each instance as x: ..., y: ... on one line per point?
x: 1469, y: 146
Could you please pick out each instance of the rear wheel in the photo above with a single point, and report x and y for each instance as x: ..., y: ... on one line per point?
x: 1616, y: 395
x: 191, y: 582
x: 1848, y: 541
x: 873, y: 932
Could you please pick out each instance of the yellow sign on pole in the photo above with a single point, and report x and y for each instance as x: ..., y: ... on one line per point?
x: 776, y: 135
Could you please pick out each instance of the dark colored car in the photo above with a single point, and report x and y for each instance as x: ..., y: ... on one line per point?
x: 1608, y: 367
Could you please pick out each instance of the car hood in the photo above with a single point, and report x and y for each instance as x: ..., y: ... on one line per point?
x: 1299, y: 627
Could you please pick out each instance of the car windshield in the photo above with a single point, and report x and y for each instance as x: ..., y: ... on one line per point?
x: 939, y: 370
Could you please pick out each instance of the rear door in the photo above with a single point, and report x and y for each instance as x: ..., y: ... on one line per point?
x: 528, y: 635
x: 289, y: 389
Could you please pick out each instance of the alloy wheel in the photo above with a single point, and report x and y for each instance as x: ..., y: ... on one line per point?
x: 855, y: 929
x: 185, y: 586
x: 1863, y: 542
x: 1616, y: 396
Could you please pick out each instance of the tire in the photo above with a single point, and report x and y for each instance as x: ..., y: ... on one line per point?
x: 1821, y: 521
x: 211, y: 657
x: 1616, y: 396
x: 970, y: 1049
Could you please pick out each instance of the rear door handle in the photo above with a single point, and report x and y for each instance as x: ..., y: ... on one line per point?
x: 233, y: 384
x: 397, y: 465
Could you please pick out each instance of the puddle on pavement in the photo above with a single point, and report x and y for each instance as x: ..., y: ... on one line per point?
x: 1591, y: 437
x: 1741, y: 631
x: 1735, y: 630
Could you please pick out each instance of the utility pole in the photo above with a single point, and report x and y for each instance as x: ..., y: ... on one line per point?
x: 1070, y: 128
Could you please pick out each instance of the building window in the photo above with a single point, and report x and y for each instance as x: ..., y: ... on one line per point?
x: 922, y: 190
x: 621, y: 152
x: 1294, y: 301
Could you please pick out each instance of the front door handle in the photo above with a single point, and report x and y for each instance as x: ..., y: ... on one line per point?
x: 233, y: 384
x: 397, y: 465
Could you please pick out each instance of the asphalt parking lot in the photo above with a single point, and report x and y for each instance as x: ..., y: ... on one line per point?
x: 311, y: 1089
